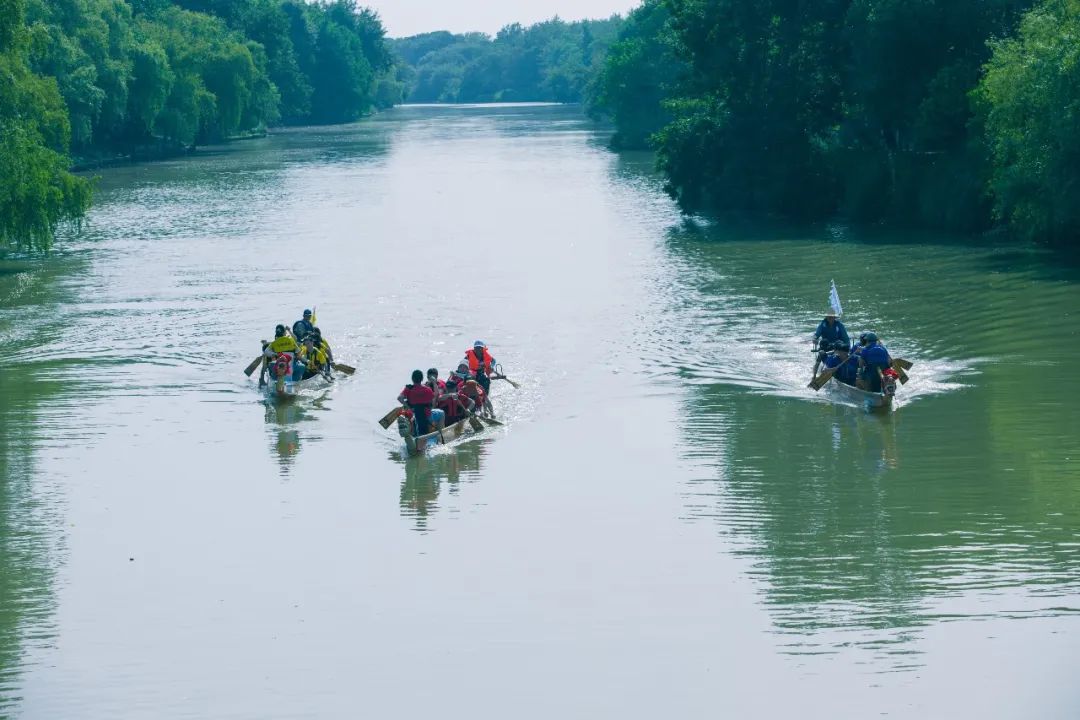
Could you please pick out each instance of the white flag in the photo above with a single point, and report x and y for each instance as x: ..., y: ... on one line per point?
x: 834, y: 299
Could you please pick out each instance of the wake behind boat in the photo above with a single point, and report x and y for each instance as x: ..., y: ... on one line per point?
x: 864, y: 372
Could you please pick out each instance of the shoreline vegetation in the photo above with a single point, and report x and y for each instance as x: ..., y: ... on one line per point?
x: 958, y: 118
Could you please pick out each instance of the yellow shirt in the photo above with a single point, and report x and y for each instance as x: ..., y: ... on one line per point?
x: 283, y: 344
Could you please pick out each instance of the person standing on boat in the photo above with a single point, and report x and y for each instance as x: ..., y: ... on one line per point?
x: 828, y: 332
x: 873, y: 361
x: 420, y: 398
x: 282, y: 345
x: 847, y: 368
x: 480, y: 364
x: 303, y: 327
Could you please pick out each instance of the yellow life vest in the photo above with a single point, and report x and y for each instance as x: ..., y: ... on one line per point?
x: 283, y: 344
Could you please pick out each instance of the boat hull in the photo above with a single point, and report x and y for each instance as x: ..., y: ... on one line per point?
x: 423, y: 443
x: 287, y: 390
x: 869, y: 400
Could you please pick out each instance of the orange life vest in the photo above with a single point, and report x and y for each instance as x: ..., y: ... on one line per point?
x: 474, y: 361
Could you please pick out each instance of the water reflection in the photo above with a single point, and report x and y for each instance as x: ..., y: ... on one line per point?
x: 425, y: 475
x: 282, y: 417
x: 862, y: 532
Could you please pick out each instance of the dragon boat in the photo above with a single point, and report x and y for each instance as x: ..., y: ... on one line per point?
x: 869, y: 400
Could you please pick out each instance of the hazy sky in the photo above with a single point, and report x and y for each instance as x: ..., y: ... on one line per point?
x: 410, y: 17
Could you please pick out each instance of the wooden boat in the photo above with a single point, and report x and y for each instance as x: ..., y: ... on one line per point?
x: 416, y: 445
x: 869, y: 400
x: 285, y: 389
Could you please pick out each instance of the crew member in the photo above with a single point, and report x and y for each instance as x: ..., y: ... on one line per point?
x: 314, y: 358
x: 847, y: 368
x: 480, y: 364
x: 828, y: 332
x: 419, y: 397
x: 303, y: 327
x: 472, y: 390
x: 454, y: 404
x: 282, y: 345
x: 874, y: 360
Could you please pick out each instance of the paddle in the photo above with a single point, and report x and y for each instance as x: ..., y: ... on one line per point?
x: 390, y: 417
x: 825, y: 376
x: 343, y: 368
x: 491, y: 421
x: 474, y: 421
x: 900, y: 373
x: 902, y: 364
x: 254, y: 364
x: 503, y: 377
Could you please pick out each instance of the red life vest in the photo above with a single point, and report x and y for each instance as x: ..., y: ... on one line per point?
x: 474, y: 361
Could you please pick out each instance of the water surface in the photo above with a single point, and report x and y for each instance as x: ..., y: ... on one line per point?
x: 670, y: 525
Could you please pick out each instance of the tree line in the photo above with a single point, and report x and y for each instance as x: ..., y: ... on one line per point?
x: 957, y: 116
x: 100, y: 78
x: 551, y: 61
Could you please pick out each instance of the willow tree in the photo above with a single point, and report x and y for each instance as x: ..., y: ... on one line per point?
x: 37, y: 193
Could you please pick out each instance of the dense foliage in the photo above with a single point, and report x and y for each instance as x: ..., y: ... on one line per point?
x: 907, y: 111
x: 36, y: 190
x: 1031, y: 93
x: 552, y: 61
x: 142, y: 77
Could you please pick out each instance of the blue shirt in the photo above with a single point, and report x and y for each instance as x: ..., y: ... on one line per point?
x: 848, y: 370
x: 876, y: 356
x: 832, y: 334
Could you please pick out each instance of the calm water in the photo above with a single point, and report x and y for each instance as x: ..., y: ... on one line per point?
x: 670, y: 525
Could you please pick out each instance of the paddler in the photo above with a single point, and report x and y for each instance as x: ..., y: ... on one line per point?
x: 847, y: 368
x: 455, y: 405
x: 874, y: 360
x: 437, y: 386
x: 480, y: 364
x: 829, y: 330
x: 472, y: 390
x: 303, y: 327
x: 314, y: 358
x: 321, y: 343
x: 419, y: 398
x: 282, y: 345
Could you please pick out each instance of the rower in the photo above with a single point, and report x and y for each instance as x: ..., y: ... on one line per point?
x: 303, y: 327
x: 437, y: 386
x: 480, y: 364
x: 418, y: 397
x: 315, y: 359
x: 455, y: 405
x: 461, y: 374
x: 321, y: 343
x: 874, y: 360
x: 847, y: 369
x: 475, y: 392
x: 828, y: 332
x: 282, y: 345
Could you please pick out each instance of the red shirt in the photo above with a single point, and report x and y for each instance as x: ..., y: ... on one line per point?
x: 449, y: 404
x: 418, y: 395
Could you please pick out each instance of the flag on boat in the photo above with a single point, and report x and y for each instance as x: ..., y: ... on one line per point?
x: 834, y: 299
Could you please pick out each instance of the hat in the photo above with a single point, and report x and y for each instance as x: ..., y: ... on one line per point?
x: 479, y: 343
x: 306, y: 313
x: 831, y: 313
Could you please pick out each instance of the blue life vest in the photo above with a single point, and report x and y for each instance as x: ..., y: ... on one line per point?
x: 876, y: 356
x: 848, y: 370
x: 832, y: 334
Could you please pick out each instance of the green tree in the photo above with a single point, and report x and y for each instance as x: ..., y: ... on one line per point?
x: 37, y: 193
x: 1031, y: 97
x: 640, y: 72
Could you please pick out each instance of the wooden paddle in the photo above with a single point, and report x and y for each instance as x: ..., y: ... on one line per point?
x: 491, y: 421
x: 474, y: 421
x: 825, y: 376
x: 254, y: 364
x: 343, y: 368
x: 390, y: 417
x: 503, y: 377
x: 901, y: 374
x: 902, y: 363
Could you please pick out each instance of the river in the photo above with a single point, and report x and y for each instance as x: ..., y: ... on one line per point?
x: 670, y: 524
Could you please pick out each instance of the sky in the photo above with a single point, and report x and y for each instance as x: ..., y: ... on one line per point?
x: 411, y: 17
